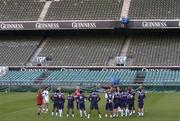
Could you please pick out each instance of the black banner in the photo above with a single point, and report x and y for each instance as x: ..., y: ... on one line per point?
x: 154, y: 24
x: 59, y: 25
x: 135, y: 68
x: 90, y: 24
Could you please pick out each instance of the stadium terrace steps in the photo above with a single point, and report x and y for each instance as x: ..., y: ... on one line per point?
x: 20, y: 10
x: 85, y: 10
x: 44, y: 10
x: 82, y: 50
x: 17, y: 51
x: 41, y: 78
x: 154, y: 9
x: 125, y: 8
x: 36, y: 52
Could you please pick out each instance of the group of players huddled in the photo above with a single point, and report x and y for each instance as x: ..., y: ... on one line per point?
x: 117, y: 102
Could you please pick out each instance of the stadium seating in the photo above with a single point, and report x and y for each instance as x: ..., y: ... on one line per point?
x: 154, y: 49
x: 15, y: 51
x: 85, y: 10
x: 82, y: 50
x: 162, y: 77
x: 70, y: 77
x: 22, y: 77
x: 154, y: 9
x: 90, y: 77
x: 20, y: 10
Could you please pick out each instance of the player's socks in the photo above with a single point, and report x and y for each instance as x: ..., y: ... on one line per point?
x: 142, y: 114
x: 80, y: 111
x: 46, y: 110
x: 67, y: 115
x: 122, y: 113
x: 126, y: 112
x: 134, y: 112
x: 110, y: 116
x: 56, y: 113
x: 72, y: 115
x: 88, y: 116
x: 85, y: 113
x: 130, y: 113
x: 100, y: 116
x: 60, y: 113
x: 52, y: 113
x: 106, y: 115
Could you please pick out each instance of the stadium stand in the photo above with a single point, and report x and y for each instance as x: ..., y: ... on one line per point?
x: 82, y: 50
x: 22, y: 77
x: 20, y: 10
x: 15, y: 51
x: 154, y: 49
x: 63, y: 77
x: 162, y: 77
x: 91, y: 77
x: 154, y: 9
x: 85, y: 10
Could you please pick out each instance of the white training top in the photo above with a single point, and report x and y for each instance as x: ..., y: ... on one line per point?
x: 45, y: 94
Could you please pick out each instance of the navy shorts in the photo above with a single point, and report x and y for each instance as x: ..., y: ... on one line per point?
x: 56, y: 105
x: 123, y: 105
x: 130, y: 106
x: 82, y: 106
x: 109, y: 106
x: 70, y: 106
x: 141, y: 105
x: 61, y: 106
x: 116, y: 105
x: 94, y: 106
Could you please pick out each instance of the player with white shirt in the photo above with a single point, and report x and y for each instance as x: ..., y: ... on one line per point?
x: 45, y: 95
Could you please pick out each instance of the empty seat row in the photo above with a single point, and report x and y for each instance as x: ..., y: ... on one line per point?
x: 85, y: 10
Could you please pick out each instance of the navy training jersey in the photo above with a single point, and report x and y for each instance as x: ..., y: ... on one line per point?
x: 124, y: 97
x: 94, y: 98
x: 55, y: 97
x: 61, y: 98
x: 141, y: 97
x: 109, y: 97
x: 117, y: 97
x: 81, y: 98
x: 70, y: 99
x: 130, y: 98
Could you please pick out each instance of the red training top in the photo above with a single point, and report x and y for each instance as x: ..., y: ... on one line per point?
x: 39, y: 99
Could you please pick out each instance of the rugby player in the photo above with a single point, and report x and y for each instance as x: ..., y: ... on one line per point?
x: 70, y: 104
x: 45, y: 95
x: 116, y: 101
x: 55, y: 100
x: 82, y: 107
x: 109, y: 103
x: 39, y: 101
x: 141, y: 96
x: 61, y: 103
x: 94, y: 99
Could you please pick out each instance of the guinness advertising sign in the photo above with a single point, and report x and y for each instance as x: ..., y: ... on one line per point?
x: 58, y: 25
x: 154, y: 24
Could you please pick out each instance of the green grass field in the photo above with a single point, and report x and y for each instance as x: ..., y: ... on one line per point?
x: 22, y: 107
